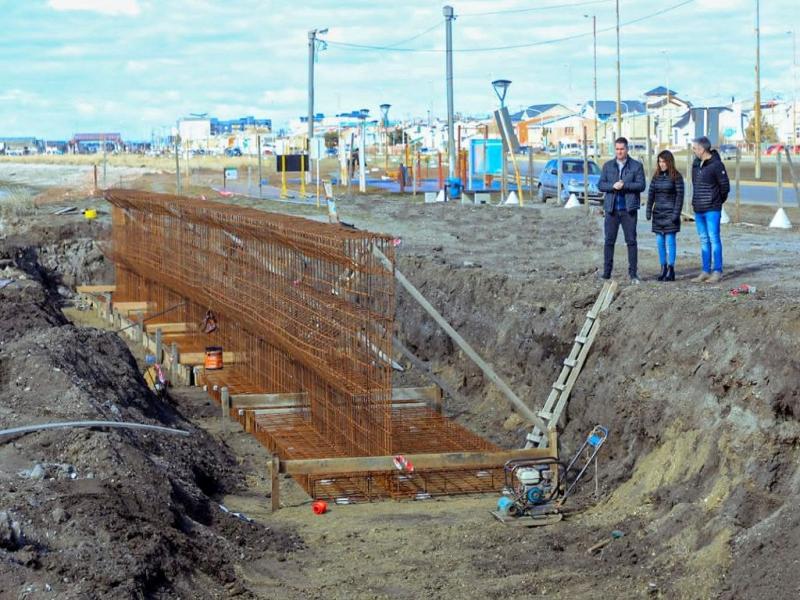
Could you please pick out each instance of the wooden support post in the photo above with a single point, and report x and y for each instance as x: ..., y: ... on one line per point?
x: 140, y: 339
x: 275, y: 470
x: 225, y: 401
x: 523, y: 409
x: 159, y: 345
x: 174, y: 358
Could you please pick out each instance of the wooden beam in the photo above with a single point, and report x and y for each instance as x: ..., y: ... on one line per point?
x: 198, y: 358
x: 430, y: 393
x: 421, y: 462
x: 269, y: 400
x: 96, y: 289
x: 128, y: 307
x: 172, y: 327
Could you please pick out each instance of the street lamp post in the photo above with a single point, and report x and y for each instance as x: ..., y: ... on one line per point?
x: 757, y: 102
x: 384, y: 124
x: 619, y: 84
x: 793, y: 33
x: 501, y: 89
x: 362, y: 151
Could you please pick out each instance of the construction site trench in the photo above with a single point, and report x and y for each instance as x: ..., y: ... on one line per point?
x: 697, y: 388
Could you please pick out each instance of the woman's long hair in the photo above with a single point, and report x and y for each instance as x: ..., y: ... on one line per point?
x: 668, y: 158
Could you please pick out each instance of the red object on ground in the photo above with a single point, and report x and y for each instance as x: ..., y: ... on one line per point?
x: 320, y: 507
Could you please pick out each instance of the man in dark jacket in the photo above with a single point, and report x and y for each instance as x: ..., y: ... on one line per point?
x: 622, y: 180
x: 710, y: 188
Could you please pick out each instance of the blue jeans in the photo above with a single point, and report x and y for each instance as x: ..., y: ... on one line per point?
x: 710, y: 242
x: 666, y: 248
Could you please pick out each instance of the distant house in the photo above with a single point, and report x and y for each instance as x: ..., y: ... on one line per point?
x: 565, y: 129
x: 607, y: 109
x: 529, y: 118
x: 249, y: 123
x: 20, y: 145
x: 718, y: 123
x: 665, y: 107
x: 90, y: 143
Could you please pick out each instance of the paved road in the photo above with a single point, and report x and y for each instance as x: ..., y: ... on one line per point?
x: 751, y: 194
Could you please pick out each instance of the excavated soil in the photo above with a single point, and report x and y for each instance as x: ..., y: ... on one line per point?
x: 698, y: 389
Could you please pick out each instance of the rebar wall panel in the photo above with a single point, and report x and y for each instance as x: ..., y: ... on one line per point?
x: 306, y: 302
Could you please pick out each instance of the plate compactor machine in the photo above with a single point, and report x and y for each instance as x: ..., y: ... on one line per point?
x: 536, y: 489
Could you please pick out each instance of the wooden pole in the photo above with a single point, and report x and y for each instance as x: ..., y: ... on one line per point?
x: 586, y: 171
x: 225, y: 403
x: 274, y: 472
x: 260, y: 176
x: 738, y: 191
x: 523, y: 409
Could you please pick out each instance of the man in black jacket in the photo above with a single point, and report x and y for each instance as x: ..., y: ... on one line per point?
x: 710, y: 188
x: 622, y: 180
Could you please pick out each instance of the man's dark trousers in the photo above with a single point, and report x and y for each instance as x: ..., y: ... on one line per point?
x: 626, y: 218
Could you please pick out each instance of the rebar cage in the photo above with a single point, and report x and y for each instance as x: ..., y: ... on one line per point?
x: 306, y: 304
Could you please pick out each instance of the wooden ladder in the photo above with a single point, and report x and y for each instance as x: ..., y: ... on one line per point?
x: 571, y: 369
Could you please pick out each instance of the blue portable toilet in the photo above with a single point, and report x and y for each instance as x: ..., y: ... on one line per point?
x: 454, y: 188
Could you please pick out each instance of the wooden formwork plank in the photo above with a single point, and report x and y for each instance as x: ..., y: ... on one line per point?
x: 96, y: 289
x: 172, y: 327
x: 129, y: 307
x: 421, y: 462
x: 431, y: 393
x: 197, y: 358
x: 269, y: 400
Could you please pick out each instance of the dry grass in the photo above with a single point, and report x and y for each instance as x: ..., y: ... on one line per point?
x: 17, y: 202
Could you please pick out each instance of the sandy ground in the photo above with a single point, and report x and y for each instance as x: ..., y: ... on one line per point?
x: 697, y: 387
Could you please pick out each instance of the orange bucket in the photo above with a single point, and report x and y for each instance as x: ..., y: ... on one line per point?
x: 320, y: 507
x: 213, y: 360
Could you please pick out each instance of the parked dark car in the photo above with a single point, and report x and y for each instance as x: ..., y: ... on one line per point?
x: 571, y: 180
x: 727, y: 150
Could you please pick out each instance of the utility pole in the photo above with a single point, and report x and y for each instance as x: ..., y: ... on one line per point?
x: 312, y: 48
x: 312, y: 42
x: 757, y: 106
x: 619, y: 85
x: 451, y: 146
x: 594, y: 37
x: 793, y: 33
x: 669, y: 102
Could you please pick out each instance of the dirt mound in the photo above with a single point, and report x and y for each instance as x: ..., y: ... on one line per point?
x: 702, y: 407
x: 108, y: 513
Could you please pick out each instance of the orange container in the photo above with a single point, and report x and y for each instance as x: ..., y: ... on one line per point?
x: 320, y: 507
x: 213, y: 360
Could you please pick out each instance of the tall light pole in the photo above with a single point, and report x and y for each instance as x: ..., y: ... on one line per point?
x: 312, y: 49
x: 384, y: 124
x: 447, y: 11
x: 619, y: 85
x: 757, y: 106
x: 669, y: 102
x: 501, y: 89
x: 793, y: 33
x: 594, y: 44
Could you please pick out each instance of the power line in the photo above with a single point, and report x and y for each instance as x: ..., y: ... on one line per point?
x: 348, y: 46
x: 534, y: 9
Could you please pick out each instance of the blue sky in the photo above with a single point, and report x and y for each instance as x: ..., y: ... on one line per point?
x: 138, y: 65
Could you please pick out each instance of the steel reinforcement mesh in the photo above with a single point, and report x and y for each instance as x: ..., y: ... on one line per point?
x: 305, y: 305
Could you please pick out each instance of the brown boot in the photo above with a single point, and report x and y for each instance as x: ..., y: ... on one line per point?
x: 703, y: 277
x: 716, y: 277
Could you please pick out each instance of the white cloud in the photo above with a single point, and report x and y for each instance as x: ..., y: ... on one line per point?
x: 107, y: 7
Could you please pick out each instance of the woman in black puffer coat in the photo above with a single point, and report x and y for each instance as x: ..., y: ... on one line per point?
x: 664, y: 205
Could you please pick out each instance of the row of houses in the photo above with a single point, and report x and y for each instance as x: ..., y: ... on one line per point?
x: 80, y: 143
